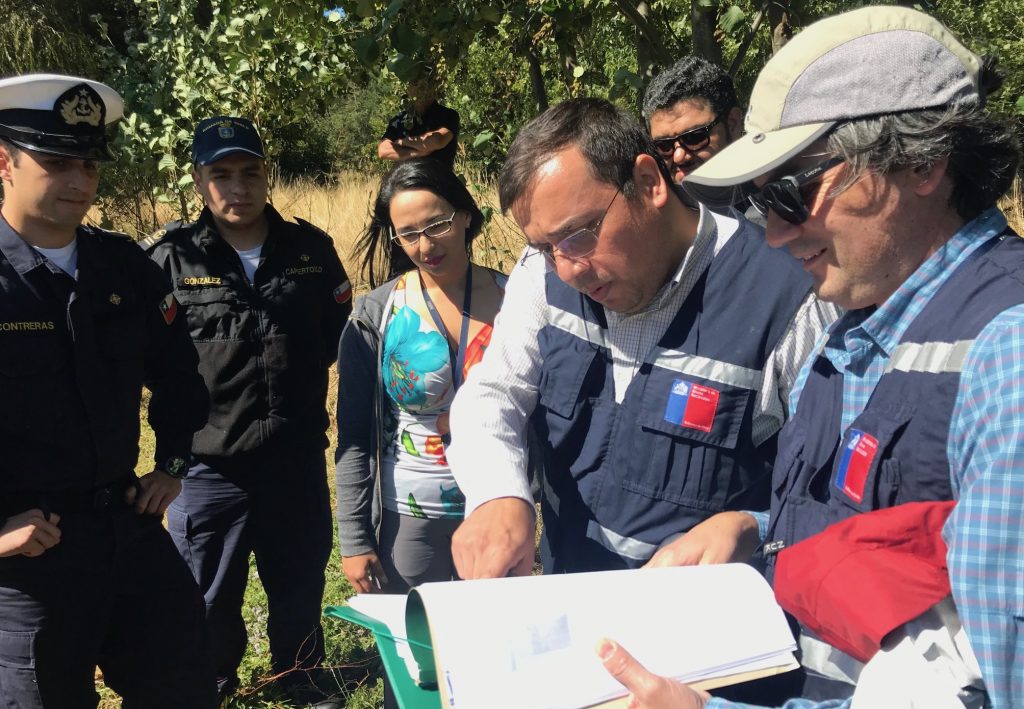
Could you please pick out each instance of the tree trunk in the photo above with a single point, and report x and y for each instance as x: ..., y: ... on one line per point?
x: 704, y: 43
x: 567, y: 59
x: 540, y: 93
x: 741, y: 53
x: 647, y: 30
x: 646, y: 59
x: 778, y: 20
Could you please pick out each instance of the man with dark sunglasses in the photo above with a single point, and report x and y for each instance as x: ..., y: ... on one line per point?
x: 691, y: 112
x: 870, y: 147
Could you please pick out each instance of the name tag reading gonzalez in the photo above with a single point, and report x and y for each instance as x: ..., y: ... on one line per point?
x: 692, y: 405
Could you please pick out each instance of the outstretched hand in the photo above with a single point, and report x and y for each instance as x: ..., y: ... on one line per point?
x: 496, y: 540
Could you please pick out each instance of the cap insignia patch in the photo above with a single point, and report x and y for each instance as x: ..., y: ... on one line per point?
x: 81, y: 104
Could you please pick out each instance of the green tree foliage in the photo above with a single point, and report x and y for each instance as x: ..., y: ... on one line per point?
x: 995, y: 28
x: 321, y: 86
x: 277, y: 63
x: 39, y: 37
x: 505, y: 60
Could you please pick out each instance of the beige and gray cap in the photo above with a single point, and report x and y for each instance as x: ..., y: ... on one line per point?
x: 871, y: 61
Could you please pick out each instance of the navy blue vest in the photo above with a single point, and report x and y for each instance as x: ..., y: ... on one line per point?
x: 620, y: 478
x: 895, y: 451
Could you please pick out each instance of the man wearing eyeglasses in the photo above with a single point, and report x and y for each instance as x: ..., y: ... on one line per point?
x: 656, y: 383
x: 869, y: 144
x: 265, y: 301
x: 691, y: 112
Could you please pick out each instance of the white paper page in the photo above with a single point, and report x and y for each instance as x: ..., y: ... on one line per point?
x: 388, y: 608
x: 517, y: 641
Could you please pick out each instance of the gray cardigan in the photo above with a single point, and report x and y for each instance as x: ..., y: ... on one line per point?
x: 357, y: 457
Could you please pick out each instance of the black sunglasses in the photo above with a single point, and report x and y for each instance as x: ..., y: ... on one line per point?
x: 691, y: 140
x: 783, y: 195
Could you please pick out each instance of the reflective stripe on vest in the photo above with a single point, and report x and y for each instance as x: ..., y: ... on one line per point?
x: 550, y: 496
x: 577, y: 326
x: 929, y: 357
x: 623, y: 546
x: 723, y: 372
x: 672, y: 360
x: 826, y: 660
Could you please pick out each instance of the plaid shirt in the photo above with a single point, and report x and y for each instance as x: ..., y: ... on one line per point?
x: 985, y: 532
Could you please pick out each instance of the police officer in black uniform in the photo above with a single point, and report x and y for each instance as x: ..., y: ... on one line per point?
x: 88, y: 575
x: 265, y: 300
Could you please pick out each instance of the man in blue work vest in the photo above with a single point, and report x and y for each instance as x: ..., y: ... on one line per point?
x: 652, y: 342
x: 869, y: 144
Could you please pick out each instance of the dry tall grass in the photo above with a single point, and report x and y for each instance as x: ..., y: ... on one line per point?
x: 1013, y: 207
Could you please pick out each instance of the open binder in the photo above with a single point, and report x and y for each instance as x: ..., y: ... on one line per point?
x: 529, y: 641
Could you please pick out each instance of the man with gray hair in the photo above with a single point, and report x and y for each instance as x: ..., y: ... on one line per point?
x: 870, y: 149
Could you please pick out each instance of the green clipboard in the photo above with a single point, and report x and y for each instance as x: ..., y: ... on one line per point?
x: 408, y: 694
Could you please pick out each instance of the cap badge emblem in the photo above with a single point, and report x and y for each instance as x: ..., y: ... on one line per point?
x: 115, y: 299
x: 304, y: 258
x: 81, y: 105
x: 226, y: 132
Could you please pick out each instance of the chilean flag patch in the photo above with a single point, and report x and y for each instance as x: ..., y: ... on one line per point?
x: 169, y: 308
x: 343, y: 292
x: 692, y: 405
x: 858, y: 455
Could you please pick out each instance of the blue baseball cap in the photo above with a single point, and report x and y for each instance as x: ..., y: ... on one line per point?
x: 220, y: 136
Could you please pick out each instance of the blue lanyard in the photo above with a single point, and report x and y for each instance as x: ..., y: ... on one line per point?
x: 457, y: 357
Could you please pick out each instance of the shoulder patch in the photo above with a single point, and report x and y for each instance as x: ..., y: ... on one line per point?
x: 157, y: 236
x: 153, y: 239
x: 313, y: 229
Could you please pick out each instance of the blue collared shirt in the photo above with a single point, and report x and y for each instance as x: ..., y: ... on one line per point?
x: 985, y: 532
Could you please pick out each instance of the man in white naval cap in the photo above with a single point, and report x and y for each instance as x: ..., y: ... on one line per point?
x: 88, y: 575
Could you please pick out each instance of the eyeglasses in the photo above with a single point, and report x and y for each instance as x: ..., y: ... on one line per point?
x: 783, y: 196
x: 691, y: 141
x: 579, y: 244
x: 431, y: 231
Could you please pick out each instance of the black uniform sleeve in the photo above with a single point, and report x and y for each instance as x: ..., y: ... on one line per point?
x: 180, y: 403
x: 339, y: 302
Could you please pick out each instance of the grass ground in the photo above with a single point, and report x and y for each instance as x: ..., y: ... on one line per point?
x: 343, y: 211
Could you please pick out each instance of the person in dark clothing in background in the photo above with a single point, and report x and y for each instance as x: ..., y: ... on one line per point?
x: 424, y: 129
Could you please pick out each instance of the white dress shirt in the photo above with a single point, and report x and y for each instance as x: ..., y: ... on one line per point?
x: 488, y: 455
